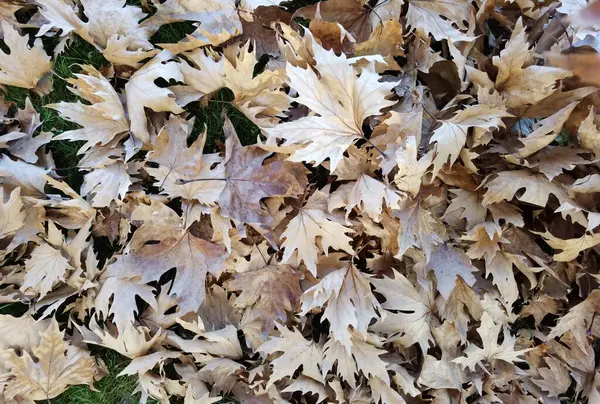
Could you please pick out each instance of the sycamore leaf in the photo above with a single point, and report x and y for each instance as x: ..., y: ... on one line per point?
x: 142, y: 92
x: 439, y: 19
x: 131, y: 342
x: 519, y: 80
x: 468, y: 203
x: 349, y: 302
x: 452, y: 134
x: 192, y: 257
x: 110, y: 18
x: 45, y: 268
x: 418, y: 228
x: 178, y: 162
x: 570, y: 247
x: 578, y: 320
x: 296, y: 351
x: 411, y: 324
x: 267, y: 294
x: 441, y: 374
x: 58, y: 366
x: 20, y: 332
x: 555, y: 379
x: 311, y: 223
x: 124, y: 306
x: 449, y: 264
x: 506, y: 184
x: 588, y: 134
x: 24, y: 66
x: 546, y: 131
x: 368, y: 194
x: 102, y: 120
x: 12, y: 215
x: 342, y: 102
x: 491, y: 351
x: 106, y: 184
x: 248, y: 181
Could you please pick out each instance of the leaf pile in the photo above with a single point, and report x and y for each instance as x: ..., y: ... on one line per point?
x: 416, y: 221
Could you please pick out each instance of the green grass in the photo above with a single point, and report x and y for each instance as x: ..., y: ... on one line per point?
x: 110, y: 389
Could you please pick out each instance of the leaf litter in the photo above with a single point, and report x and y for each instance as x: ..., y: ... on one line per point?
x: 410, y: 215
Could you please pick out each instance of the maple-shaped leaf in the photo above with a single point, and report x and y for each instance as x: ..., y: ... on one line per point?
x: 106, y: 184
x: 491, y: 351
x: 313, y: 222
x: 142, y: 92
x: 418, y: 228
x: 555, y: 379
x: 349, y: 300
x: 367, y: 194
x: 410, y: 169
x: 114, y: 18
x: 296, y: 351
x: 588, y: 133
x: 102, y: 120
x: 505, y: 184
x: 258, y: 96
x: 267, y: 294
x: 49, y: 262
x: 21, y: 332
x: 351, y: 14
x: 440, y: 19
x: 578, y: 320
x: 545, y: 131
x: 519, y: 79
x: 451, y: 136
x: 132, y: 342
x: 449, y: 264
x: 124, y: 306
x: 178, y: 162
x: 468, y: 203
x: 248, y: 181
x: 177, y: 248
x: 462, y: 304
x: 25, y: 66
x: 411, y: 323
x: 342, y: 102
x: 12, y: 214
x: 57, y: 365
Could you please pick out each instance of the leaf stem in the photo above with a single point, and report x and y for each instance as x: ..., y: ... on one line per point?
x: 181, y: 181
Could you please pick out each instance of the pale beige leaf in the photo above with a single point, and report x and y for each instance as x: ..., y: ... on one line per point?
x: 21, y: 332
x: 449, y: 264
x: 102, y: 120
x: 107, y: 184
x: 178, y: 162
x: 418, y: 228
x: 411, y: 324
x: 491, y: 351
x: 12, y: 214
x: 555, y: 379
x: 45, y: 268
x: 349, y: 300
x: 342, y: 102
x: 142, y: 92
x: 519, y: 80
x: 24, y: 66
x: 506, y: 184
x: 570, y: 247
x: 267, y: 294
x: 311, y: 223
x: 58, y: 366
x: 296, y: 352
